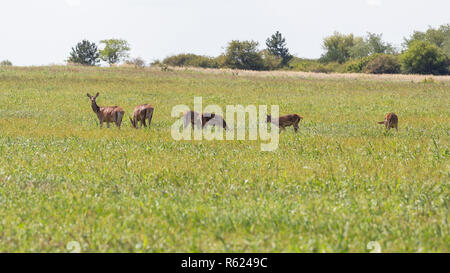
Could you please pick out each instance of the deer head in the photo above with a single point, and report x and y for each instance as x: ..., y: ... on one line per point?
x: 93, y: 102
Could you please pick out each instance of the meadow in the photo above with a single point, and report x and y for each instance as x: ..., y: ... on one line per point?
x: 338, y: 184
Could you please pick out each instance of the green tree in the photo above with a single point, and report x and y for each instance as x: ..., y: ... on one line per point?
x: 115, y: 50
x: 337, y: 47
x: 438, y: 36
x: 424, y: 58
x: 276, y: 45
x: 371, y: 44
x: 85, y: 53
x: 244, y: 55
x: 5, y: 63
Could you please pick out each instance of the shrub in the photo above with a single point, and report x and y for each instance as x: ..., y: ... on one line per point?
x: 271, y: 62
x: 358, y: 65
x: 383, y: 64
x: 308, y: 65
x: 424, y: 58
x: 190, y: 60
x: 137, y: 62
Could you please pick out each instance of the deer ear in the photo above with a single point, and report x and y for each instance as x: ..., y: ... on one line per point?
x: 96, y: 95
x: 89, y: 96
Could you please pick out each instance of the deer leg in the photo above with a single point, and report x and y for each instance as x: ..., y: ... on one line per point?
x: 101, y: 123
x: 107, y: 124
x: 150, y: 119
x: 143, y: 121
x: 296, y: 126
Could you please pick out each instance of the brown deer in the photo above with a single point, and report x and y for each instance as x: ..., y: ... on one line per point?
x: 211, y: 119
x: 193, y: 118
x: 142, y: 113
x: 107, y: 113
x: 390, y: 121
x: 286, y: 120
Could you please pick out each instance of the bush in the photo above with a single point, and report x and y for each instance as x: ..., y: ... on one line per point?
x: 308, y: 65
x: 383, y: 64
x: 424, y: 58
x: 190, y: 60
x: 271, y: 62
x: 5, y: 63
x: 137, y: 62
x: 358, y: 65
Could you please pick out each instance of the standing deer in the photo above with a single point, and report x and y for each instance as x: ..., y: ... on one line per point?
x: 142, y: 113
x: 286, y: 120
x: 107, y: 113
x: 390, y: 121
x: 193, y: 118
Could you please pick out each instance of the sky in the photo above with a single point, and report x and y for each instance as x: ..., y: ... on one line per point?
x: 42, y: 32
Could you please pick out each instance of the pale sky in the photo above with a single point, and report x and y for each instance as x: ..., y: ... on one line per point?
x: 42, y: 32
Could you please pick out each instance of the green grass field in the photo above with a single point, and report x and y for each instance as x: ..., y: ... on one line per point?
x: 338, y: 184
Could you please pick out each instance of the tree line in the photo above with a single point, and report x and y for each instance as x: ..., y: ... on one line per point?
x: 425, y: 52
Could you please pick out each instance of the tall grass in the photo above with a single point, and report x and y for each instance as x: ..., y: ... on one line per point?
x: 335, y: 186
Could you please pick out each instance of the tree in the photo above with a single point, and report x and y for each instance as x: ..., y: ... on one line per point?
x: 85, y: 53
x: 424, y: 58
x: 276, y: 45
x: 371, y: 44
x: 439, y: 37
x: 244, y: 55
x: 337, y: 47
x: 5, y: 63
x: 115, y: 50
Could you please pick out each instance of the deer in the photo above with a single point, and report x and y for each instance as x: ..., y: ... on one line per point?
x: 142, y: 113
x: 390, y: 121
x: 204, y: 119
x: 212, y: 119
x: 193, y: 118
x: 107, y: 113
x: 285, y: 121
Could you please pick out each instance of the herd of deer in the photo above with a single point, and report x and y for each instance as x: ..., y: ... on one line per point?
x: 144, y: 112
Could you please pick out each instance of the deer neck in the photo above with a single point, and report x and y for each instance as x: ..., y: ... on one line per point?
x: 95, y: 107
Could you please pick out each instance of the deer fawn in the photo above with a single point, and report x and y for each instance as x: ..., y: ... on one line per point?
x: 286, y: 120
x: 390, y: 121
x: 142, y: 113
x: 107, y: 113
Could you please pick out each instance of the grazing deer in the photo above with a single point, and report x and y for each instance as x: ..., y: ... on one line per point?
x: 286, y: 120
x: 390, y: 121
x: 142, y: 113
x: 193, y: 118
x: 211, y: 119
x: 107, y: 113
